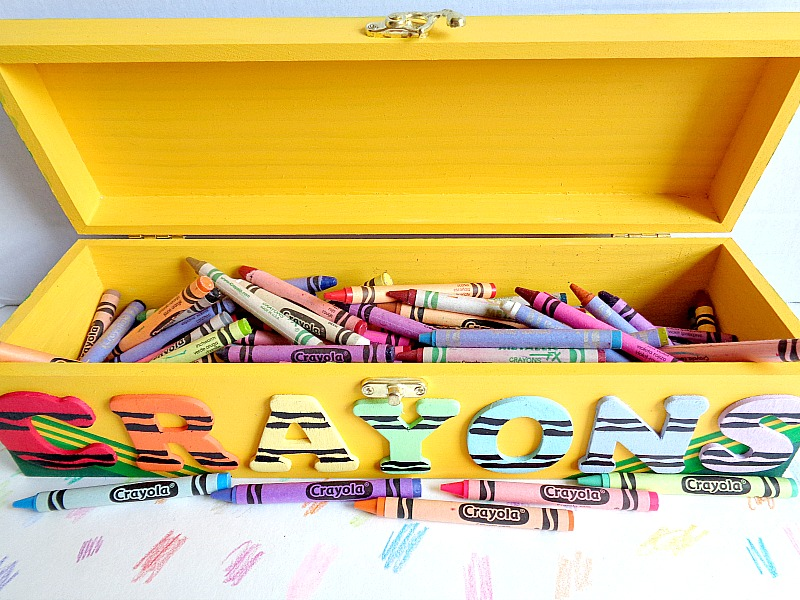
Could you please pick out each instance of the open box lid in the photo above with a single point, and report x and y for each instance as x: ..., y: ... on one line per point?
x: 511, y: 125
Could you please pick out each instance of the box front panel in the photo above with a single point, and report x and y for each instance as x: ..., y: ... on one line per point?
x: 530, y: 420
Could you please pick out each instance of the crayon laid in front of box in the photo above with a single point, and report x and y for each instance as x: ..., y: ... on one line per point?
x: 222, y: 317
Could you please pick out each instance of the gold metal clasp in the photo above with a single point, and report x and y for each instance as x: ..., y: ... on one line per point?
x: 413, y: 24
x: 394, y: 388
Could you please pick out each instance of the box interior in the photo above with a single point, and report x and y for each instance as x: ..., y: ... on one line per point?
x: 573, y: 146
x: 657, y: 276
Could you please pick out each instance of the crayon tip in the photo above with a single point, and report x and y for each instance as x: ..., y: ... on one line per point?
x: 653, y: 501
x: 526, y: 294
x: 401, y: 295
x: 225, y: 495
x: 457, y: 488
x: 793, y: 483
x: 593, y: 480
x: 701, y: 298
x: 244, y: 271
x: 426, y: 338
x: 416, y: 487
x: 29, y: 503
x: 336, y: 296
x: 581, y: 294
x: 194, y: 263
x: 326, y: 282
x: 608, y: 298
x: 370, y: 506
x: 408, y: 356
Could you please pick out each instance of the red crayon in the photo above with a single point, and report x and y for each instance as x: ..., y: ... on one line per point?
x: 553, y: 494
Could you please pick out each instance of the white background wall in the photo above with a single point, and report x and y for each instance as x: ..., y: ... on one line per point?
x: 34, y: 232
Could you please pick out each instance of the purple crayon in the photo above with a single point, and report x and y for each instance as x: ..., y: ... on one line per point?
x: 114, y: 333
x: 389, y: 320
x: 374, y: 353
x: 316, y: 491
x: 313, y: 284
x: 627, y: 312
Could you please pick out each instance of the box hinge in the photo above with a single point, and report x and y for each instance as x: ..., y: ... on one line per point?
x: 394, y: 389
x: 156, y: 237
x: 641, y: 235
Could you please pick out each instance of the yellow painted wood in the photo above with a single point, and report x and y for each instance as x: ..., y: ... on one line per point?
x: 561, y: 36
x: 658, y: 276
x: 640, y: 124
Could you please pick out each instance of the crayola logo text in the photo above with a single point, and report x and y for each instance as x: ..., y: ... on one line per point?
x: 496, y: 515
x: 305, y: 322
x: 722, y: 486
x: 320, y: 355
x: 337, y: 491
x: 588, y: 496
x: 136, y: 492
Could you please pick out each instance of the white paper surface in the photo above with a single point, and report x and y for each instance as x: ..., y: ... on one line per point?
x: 202, y: 548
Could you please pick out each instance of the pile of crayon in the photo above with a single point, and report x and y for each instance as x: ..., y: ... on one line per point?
x: 259, y: 318
x: 526, y: 505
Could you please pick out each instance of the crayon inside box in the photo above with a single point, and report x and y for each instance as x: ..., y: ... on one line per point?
x: 512, y: 126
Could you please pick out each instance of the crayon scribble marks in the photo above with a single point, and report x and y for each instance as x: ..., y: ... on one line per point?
x: 478, y: 578
x: 792, y: 538
x: 754, y: 503
x: 310, y: 508
x: 672, y: 540
x: 398, y: 548
x: 89, y: 548
x: 77, y: 514
x: 760, y: 555
x: 574, y: 575
x: 359, y: 520
x: 310, y: 572
x: 248, y: 555
x: 72, y: 480
x: 7, y: 572
x: 155, y: 560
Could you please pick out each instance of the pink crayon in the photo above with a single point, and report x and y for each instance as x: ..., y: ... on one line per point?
x: 286, y: 290
x: 553, y: 494
x: 383, y: 337
x: 263, y: 338
x: 571, y: 316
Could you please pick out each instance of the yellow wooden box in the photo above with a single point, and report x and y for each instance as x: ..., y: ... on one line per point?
x: 509, y: 151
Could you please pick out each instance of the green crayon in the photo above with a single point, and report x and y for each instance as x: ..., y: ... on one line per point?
x: 697, y: 484
x: 207, y: 344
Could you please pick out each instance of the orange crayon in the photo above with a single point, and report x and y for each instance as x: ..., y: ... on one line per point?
x: 472, y: 513
x: 163, y: 317
x: 103, y: 316
x: 12, y: 353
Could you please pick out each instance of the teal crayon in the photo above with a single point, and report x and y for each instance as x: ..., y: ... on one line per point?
x: 125, y: 493
x: 696, y: 484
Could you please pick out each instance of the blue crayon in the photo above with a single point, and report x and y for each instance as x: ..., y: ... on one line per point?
x: 118, y: 329
x: 600, y: 310
x: 158, y: 341
x: 523, y: 338
x: 531, y: 317
x: 314, y: 284
x: 124, y: 493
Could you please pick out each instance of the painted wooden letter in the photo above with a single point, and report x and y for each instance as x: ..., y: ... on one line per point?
x: 556, y: 434
x: 18, y: 434
x: 323, y: 438
x: 615, y: 423
x: 742, y: 422
x: 138, y: 414
x: 405, y: 439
